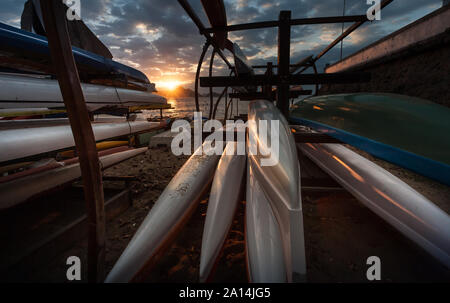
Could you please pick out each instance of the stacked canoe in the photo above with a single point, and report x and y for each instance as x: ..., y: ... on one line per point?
x: 37, y: 146
x: 274, y: 220
x: 274, y: 239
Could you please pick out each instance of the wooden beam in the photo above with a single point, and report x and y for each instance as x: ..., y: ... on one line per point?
x: 292, y: 22
x: 54, y: 14
x: 267, y: 89
x: 304, y: 62
x: 215, y: 11
x: 270, y: 96
x: 299, y: 64
x: 188, y: 9
x: 284, y: 55
x: 197, y: 74
x: 344, y: 77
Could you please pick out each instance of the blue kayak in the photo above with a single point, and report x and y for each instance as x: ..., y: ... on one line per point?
x: 14, y: 40
x: 407, y: 131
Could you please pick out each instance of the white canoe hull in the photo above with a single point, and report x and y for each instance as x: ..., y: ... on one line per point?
x: 263, y: 243
x: 222, y: 203
x: 20, y: 190
x: 166, y: 217
x: 280, y: 181
x: 387, y: 196
x: 24, y: 142
x: 28, y: 92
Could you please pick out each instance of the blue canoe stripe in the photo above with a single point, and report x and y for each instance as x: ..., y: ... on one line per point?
x: 427, y: 167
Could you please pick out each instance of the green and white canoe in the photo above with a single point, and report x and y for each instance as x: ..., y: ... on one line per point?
x: 407, y: 131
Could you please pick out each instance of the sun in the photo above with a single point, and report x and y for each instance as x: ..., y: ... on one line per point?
x: 169, y: 85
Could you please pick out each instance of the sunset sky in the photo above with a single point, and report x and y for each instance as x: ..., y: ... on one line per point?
x: 157, y: 37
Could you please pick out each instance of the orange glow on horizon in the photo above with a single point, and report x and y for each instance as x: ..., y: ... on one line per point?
x: 168, y: 85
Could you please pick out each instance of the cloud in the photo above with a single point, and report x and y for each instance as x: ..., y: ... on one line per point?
x: 158, y: 38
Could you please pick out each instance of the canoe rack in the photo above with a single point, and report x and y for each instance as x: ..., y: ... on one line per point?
x: 287, y: 74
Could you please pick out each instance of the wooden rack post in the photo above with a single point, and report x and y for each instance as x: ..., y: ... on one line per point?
x: 284, y: 45
x: 54, y: 15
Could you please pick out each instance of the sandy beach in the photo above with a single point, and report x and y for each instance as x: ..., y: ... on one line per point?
x: 340, y: 233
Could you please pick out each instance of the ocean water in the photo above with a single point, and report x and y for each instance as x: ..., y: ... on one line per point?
x: 185, y: 107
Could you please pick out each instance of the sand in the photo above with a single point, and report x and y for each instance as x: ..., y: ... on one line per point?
x: 154, y: 171
x: 340, y: 233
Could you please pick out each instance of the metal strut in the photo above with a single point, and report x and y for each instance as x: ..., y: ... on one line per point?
x: 226, y: 105
x: 231, y: 111
x: 315, y: 72
x: 197, y: 75
x: 218, y: 101
x: 211, y: 97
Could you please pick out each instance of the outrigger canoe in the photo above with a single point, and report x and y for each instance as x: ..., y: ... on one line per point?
x: 170, y: 212
x: 21, y: 91
x: 24, y: 142
x: 410, y: 132
x: 263, y: 241
x: 279, y: 179
x: 222, y: 204
x: 387, y: 196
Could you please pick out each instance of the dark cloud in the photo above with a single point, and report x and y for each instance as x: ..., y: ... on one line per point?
x: 157, y: 36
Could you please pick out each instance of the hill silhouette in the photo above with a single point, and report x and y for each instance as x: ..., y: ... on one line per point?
x: 181, y: 92
x: 178, y: 92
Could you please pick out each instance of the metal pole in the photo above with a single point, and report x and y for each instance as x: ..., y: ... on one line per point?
x: 347, y: 32
x: 317, y: 84
x: 237, y: 107
x: 54, y: 15
x: 284, y: 44
x: 297, y: 79
x: 293, y: 22
x: 197, y: 75
x: 218, y: 101
x: 342, y: 41
x: 231, y: 111
x: 211, y: 101
x: 226, y: 104
x: 267, y: 89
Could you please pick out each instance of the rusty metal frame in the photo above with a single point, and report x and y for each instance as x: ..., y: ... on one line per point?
x: 210, y: 41
x: 211, y: 97
x: 292, y: 22
x: 197, y: 74
x: 54, y: 16
x: 285, y: 75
